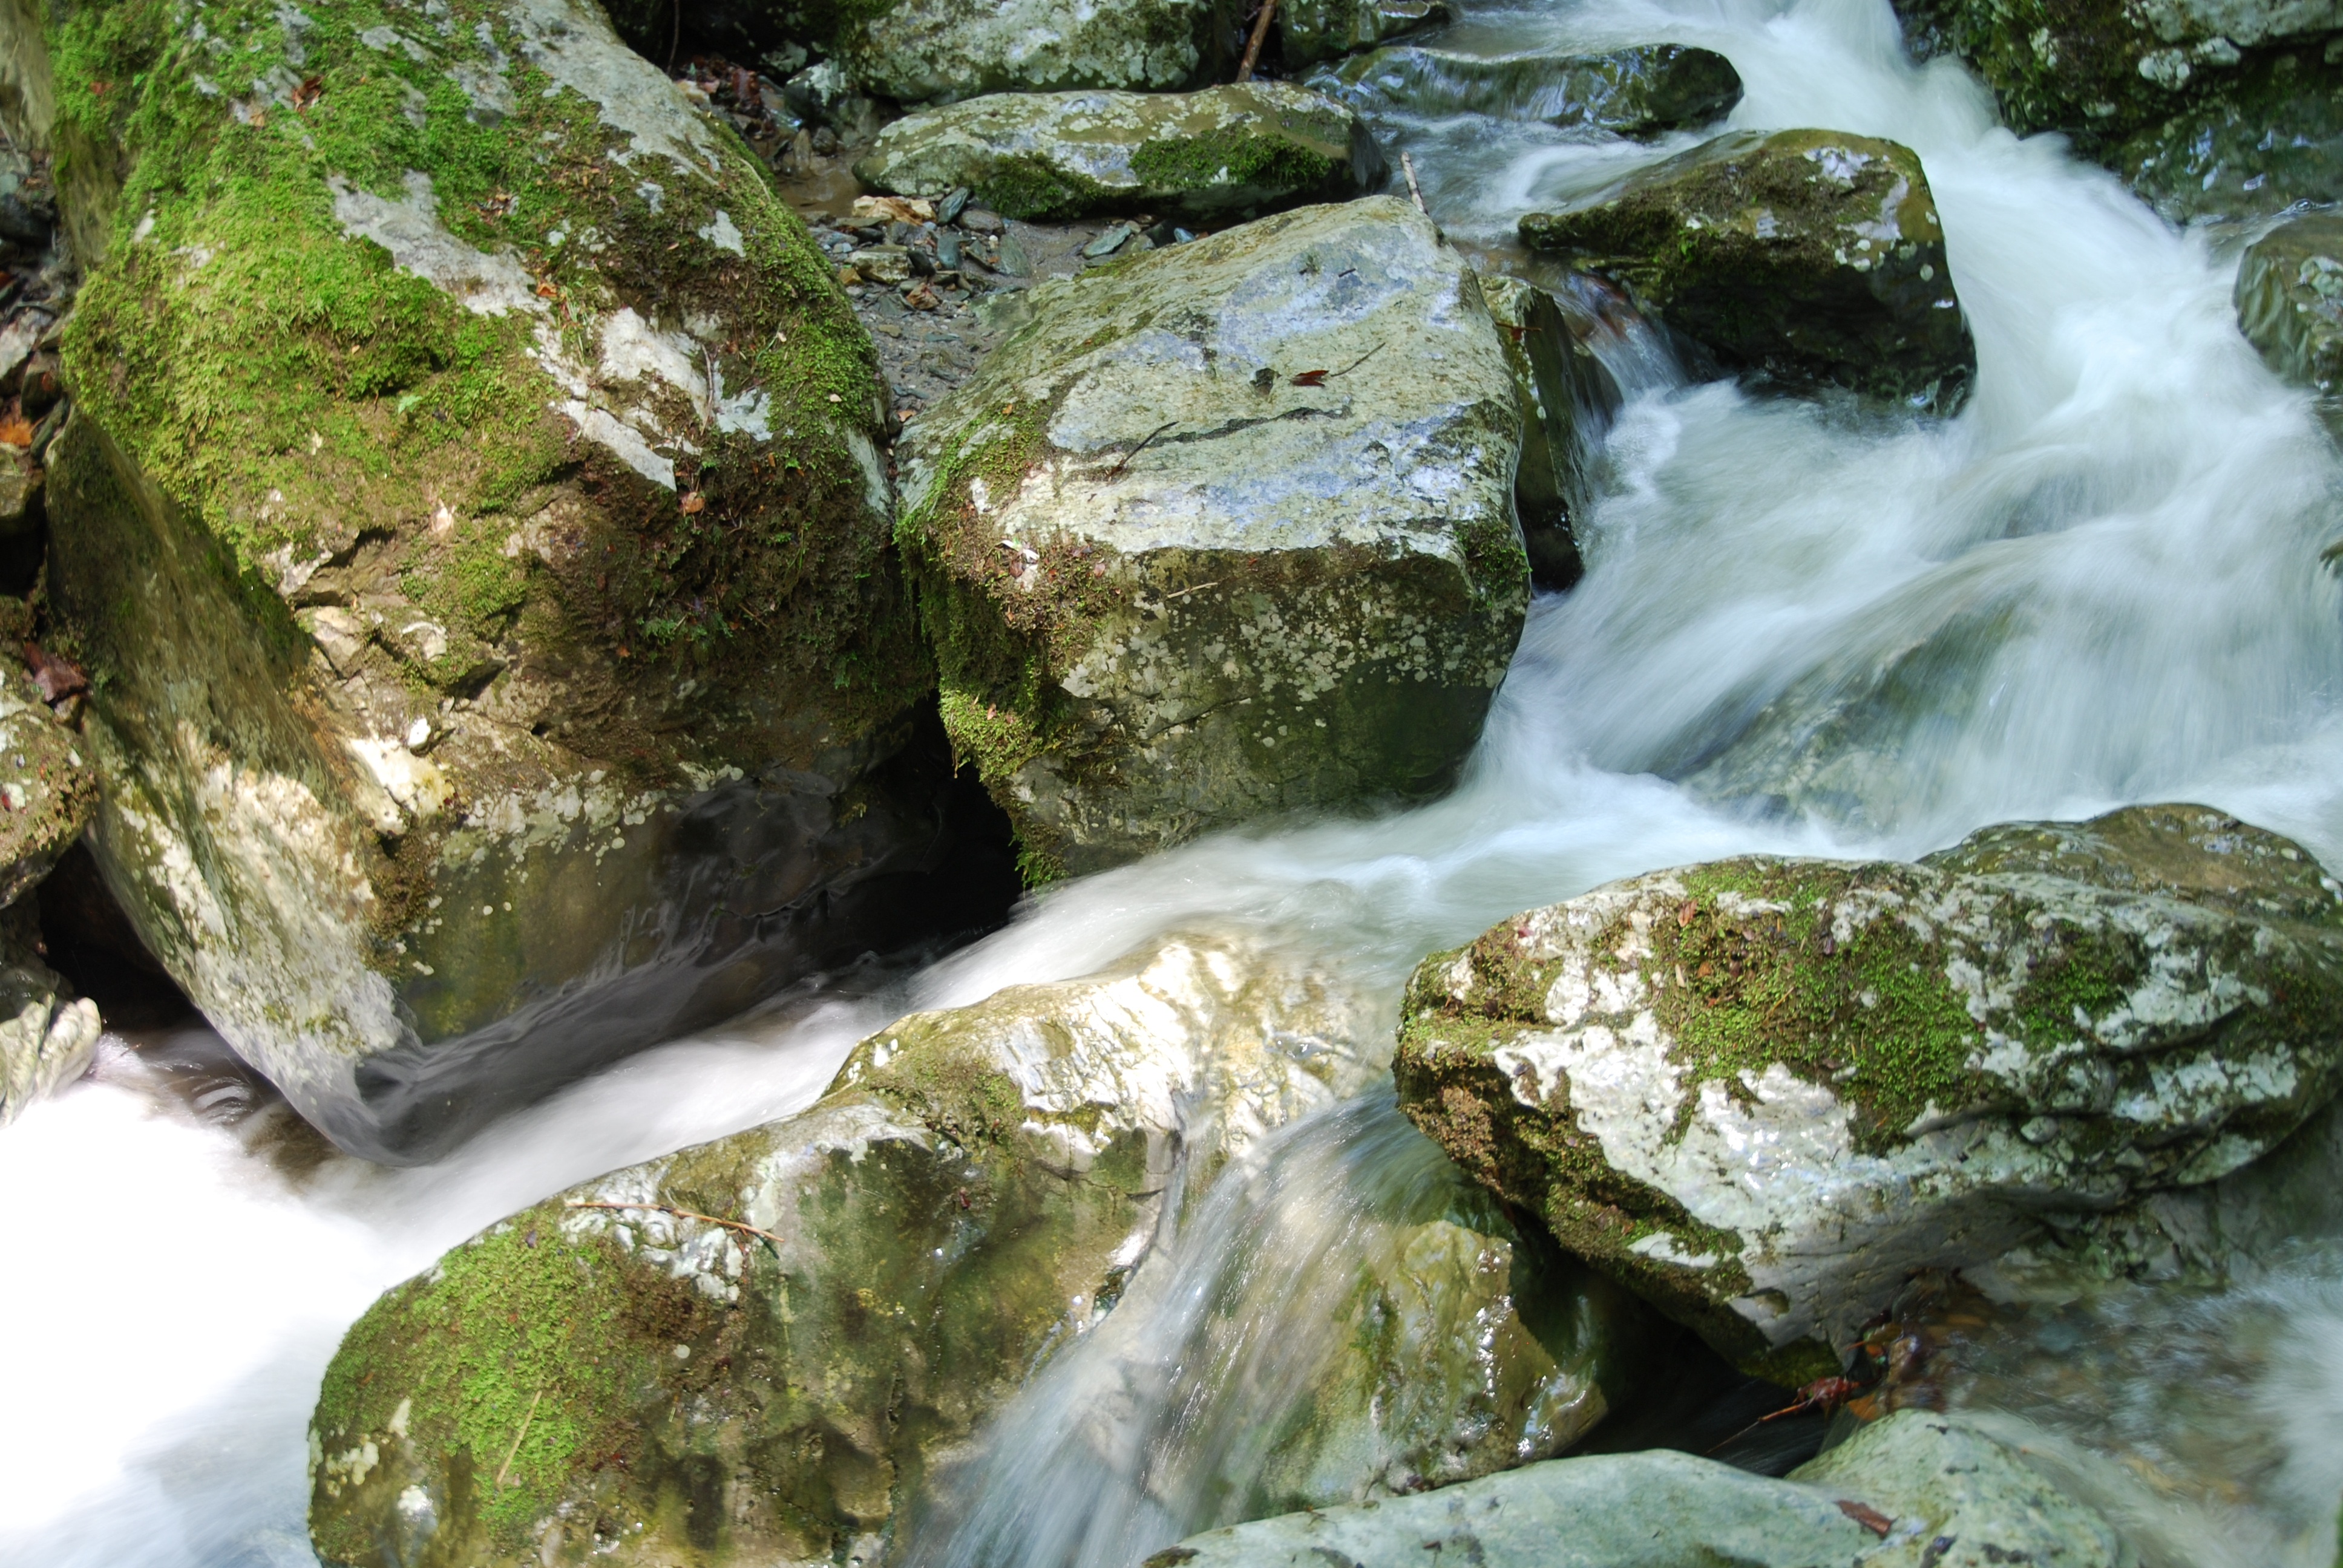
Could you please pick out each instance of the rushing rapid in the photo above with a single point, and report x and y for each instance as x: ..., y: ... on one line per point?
x: 1802, y: 628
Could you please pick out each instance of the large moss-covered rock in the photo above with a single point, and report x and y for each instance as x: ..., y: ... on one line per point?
x: 1762, y: 1090
x: 2289, y: 299
x: 1568, y: 400
x: 472, y: 522
x: 1225, y: 529
x: 937, y: 51
x: 1211, y: 156
x: 1637, y: 92
x: 1310, y: 31
x: 1950, y: 1494
x: 1812, y: 257
x: 637, y: 1382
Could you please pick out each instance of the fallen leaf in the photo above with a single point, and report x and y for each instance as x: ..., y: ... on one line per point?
x: 1311, y: 378
x: 311, y: 89
x: 15, y: 431
x: 892, y: 210
x: 1870, y: 1518
x: 57, y: 678
x: 693, y: 501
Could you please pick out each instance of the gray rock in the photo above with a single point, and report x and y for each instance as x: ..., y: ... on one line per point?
x: 1310, y: 31
x: 2289, y: 299
x: 1953, y: 1497
x: 1761, y: 1091
x: 48, y: 786
x: 1568, y: 399
x: 47, y: 1037
x: 1638, y: 92
x: 1813, y: 257
x: 1225, y: 529
x: 941, y: 51
x: 1208, y: 155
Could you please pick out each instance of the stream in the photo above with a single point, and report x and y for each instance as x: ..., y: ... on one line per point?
x: 1803, y: 629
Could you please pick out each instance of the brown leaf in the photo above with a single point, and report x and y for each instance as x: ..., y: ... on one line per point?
x: 311, y: 89
x: 1311, y: 378
x: 1684, y: 912
x: 57, y: 678
x: 15, y: 431
x: 1870, y: 1518
x: 693, y: 501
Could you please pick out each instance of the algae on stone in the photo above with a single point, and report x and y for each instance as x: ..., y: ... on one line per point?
x: 1812, y: 257
x: 1637, y: 92
x: 1223, y: 153
x: 1224, y: 530
x: 472, y: 521
x: 1762, y: 1091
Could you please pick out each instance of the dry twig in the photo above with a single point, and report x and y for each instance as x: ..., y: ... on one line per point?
x: 1253, y: 45
x: 741, y: 1226
x: 505, y: 1468
x: 1407, y: 166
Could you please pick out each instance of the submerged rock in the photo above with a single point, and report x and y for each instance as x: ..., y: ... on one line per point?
x: 1638, y: 92
x: 1211, y: 156
x: 941, y: 51
x: 1568, y: 399
x: 1223, y: 530
x: 758, y: 1349
x: 473, y: 518
x: 1811, y: 257
x: 1760, y: 1091
x: 1309, y: 31
x: 1911, y: 1489
x: 2289, y: 299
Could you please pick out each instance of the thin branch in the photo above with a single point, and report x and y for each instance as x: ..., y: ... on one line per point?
x: 1143, y: 441
x: 1253, y: 45
x: 741, y: 1226
x: 1407, y: 165
x: 505, y: 1470
x: 1198, y: 588
x: 1354, y: 364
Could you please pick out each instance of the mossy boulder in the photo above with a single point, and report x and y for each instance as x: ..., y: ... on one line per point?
x: 472, y: 522
x: 1952, y: 1494
x: 941, y: 51
x: 1211, y: 156
x: 1760, y: 1091
x: 615, y: 1376
x: 1811, y: 258
x: 1225, y: 529
x: 1568, y: 400
x: 1637, y: 92
x: 2289, y: 299
x: 1310, y: 31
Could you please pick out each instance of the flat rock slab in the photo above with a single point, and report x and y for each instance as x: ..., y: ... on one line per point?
x: 1208, y: 155
x: 1761, y: 1091
x: 1224, y: 530
x: 941, y: 51
x: 1637, y: 92
x: 1934, y: 1491
x: 1813, y: 259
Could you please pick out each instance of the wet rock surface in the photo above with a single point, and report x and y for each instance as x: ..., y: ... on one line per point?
x: 558, y: 693
x: 1911, y: 1489
x: 1812, y: 258
x: 1310, y: 31
x: 1568, y: 401
x: 48, y: 1037
x: 1223, y: 530
x: 760, y: 1346
x: 1637, y: 92
x: 2289, y: 299
x: 1215, y: 154
x: 1761, y: 1091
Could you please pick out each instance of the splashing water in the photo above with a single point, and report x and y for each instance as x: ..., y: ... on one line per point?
x: 1802, y: 629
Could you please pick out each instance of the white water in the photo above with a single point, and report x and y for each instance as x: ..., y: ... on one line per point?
x: 2099, y: 584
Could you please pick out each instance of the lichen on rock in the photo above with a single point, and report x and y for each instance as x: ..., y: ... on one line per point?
x: 1811, y: 257
x: 1760, y: 1090
x: 1225, y: 530
x: 1222, y: 153
x: 941, y: 51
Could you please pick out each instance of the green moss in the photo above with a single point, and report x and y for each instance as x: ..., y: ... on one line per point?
x: 1026, y: 187
x: 1234, y: 157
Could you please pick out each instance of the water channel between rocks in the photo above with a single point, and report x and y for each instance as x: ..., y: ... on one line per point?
x: 1801, y: 630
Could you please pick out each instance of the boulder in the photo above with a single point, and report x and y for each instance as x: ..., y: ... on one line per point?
x: 1947, y: 1493
x: 1637, y: 92
x: 1809, y: 258
x: 759, y: 1348
x: 1212, y: 156
x: 48, y: 1037
x: 2289, y: 299
x: 48, y: 789
x: 941, y: 51
x: 1568, y: 400
x: 1761, y: 1091
x: 1224, y: 529
x: 472, y: 521
x: 1310, y: 31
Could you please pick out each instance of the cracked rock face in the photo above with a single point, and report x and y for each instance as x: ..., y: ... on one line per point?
x: 472, y: 521
x: 1215, y: 154
x: 1226, y: 530
x: 1810, y: 258
x: 977, y: 1183
x: 1761, y: 1091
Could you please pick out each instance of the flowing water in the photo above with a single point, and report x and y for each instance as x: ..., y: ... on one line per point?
x: 1803, y: 629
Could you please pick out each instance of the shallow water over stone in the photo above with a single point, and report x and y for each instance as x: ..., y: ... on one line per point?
x: 1803, y: 629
